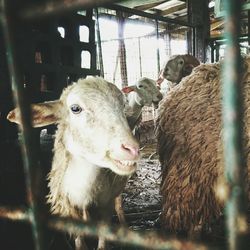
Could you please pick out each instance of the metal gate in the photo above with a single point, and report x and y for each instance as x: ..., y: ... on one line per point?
x: 34, y: 214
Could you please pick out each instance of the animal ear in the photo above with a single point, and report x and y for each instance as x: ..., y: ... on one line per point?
x: 181, y: 61
x: 128, y: 89
x: 42, y: 114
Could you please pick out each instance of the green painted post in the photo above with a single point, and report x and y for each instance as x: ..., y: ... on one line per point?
x: 235, y: 168
x: 30, y: 162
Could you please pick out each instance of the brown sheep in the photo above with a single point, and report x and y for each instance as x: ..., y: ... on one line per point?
x: 189, y: 133
x: 177, y: 67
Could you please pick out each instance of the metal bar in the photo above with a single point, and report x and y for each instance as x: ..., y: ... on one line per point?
x: 52, y: 7
x: 157, y: 49
x: 122, y: 49
x: 124, y: 235
x: 99, y: 42
x: 140, y: 61
x: 120, y: 234
x: 18, y: 214
x: 222, y: 38
x: 30, y: 162
x: 235, y: 167
x: 148, y: 15
x: 58, y: 7
x: 194, y: 41
x: 212, y: 51
x: 248, y: 26
x: 217, y: 52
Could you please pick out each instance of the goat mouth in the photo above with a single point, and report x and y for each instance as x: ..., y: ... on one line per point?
x: 125, y: 165
x: 156, y: 104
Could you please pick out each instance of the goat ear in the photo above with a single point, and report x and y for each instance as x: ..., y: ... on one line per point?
x: 128, y: 89
x: 42, y: 114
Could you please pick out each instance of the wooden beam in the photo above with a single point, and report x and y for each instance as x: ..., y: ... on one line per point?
x: 132, y: 4
x: 173, y: 9
x: 215, y: 33
x: 216, y: 25
x: 149, y: 15
x: 148, y: 6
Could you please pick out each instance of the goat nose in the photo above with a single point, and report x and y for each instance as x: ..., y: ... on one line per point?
x: 132, y: 150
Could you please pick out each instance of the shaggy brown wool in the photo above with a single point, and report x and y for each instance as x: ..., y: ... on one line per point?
x: 189, y: 132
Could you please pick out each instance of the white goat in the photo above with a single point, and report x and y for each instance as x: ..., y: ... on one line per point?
x: 143, y: 93
x: 94, y: 150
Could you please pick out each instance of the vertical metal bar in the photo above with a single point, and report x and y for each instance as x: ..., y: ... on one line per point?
x: 140, y: 61
x: 248, y: 27
x: 194, y: 41
x: 122, y: 48
x: 235, y: 168
x: 99, y: 42
x: 168, y: 40
x: 212, y: 51
x: 217, y: 51
x: 29, y: 161
x: 157, y: 49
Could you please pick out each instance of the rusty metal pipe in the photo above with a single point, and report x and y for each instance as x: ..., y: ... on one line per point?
x: 17, y: 214
x: 150, y: 240
x: 235, y: 166
x: 27, y: 144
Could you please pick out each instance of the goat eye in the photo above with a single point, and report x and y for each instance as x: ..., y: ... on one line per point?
x: 76, y: 109
x: 140, y: 86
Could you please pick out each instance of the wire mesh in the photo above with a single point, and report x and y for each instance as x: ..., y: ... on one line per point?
x: 141, y: 48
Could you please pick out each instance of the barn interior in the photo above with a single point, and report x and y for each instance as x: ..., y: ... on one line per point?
x: 45, y: 46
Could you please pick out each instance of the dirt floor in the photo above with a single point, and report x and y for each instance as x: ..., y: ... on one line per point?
x: 141, y: 198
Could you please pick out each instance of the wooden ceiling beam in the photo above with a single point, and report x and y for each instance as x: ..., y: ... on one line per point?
x: 215, y: 33
x: 173, y: 9
x: 134, y: 3
x: 216, y: 25
x: 148, y: 6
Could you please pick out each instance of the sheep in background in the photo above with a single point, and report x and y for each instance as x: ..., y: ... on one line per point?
x: 177, y: 67
x: 189, y: 136
x: 94, y: 150
x: 143, y: 93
